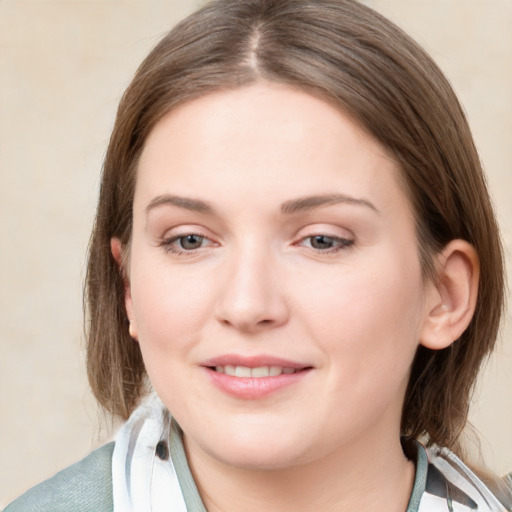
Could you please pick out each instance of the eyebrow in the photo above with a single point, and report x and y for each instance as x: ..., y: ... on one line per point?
x: 312, y: 202
x: 290, y: 207
x: 188, y: 203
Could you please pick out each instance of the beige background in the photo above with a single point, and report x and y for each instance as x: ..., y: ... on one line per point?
x: 63, y: 67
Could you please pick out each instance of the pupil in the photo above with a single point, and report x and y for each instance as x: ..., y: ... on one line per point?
x: 191, y: 242
x: 321, y: 242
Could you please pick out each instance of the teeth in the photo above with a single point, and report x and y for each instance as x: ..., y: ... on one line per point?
x: 242, y: 371
x: 258, y: 372
x: 261, y: 371
x: 275, y: 371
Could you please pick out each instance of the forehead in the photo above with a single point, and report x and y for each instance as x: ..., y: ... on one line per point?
x: 260, y: 138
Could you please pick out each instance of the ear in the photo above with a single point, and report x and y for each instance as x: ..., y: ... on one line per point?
x: 116, y: 248
x: 452, y: 298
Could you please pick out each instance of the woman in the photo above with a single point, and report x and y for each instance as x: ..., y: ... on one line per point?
x: 295, y: 248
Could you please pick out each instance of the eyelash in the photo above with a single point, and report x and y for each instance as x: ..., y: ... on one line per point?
x: 338, y: 244
x: 169, y: 244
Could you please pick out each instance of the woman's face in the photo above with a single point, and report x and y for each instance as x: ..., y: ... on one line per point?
x: 274, y: 281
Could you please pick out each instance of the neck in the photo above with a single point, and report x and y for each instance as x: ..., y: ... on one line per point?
x: 365, y: 475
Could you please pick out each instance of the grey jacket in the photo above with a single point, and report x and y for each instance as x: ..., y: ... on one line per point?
x: 83, y: 487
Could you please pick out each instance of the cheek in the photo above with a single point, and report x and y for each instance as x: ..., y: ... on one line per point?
x: 367, y: 314
x: 169, y: 309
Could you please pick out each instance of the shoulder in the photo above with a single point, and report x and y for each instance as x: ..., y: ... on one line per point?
x: 83, y: 487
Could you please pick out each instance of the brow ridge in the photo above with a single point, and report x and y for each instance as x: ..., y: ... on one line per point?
x: 189, y: 203
x: 311, y: 202
x: 302, y: 204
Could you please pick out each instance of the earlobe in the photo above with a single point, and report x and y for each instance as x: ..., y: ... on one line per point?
x: 116, y: 248
x: 452, y: 298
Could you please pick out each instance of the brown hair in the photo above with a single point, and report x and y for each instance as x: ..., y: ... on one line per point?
x: 352, y: 56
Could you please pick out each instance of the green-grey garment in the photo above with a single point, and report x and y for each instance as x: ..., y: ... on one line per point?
x: 83, y: 487
x: 87, y: 485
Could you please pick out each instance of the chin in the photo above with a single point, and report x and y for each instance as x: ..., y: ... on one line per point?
x: 253, y: 450
x: 256, y: 458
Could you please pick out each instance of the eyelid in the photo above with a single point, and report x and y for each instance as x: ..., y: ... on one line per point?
x: 169, y: 245
x: 171, y: 236
x: 341, y: 243
x: 325, y: 229
x: 182, y: 230
x: 343, y: 238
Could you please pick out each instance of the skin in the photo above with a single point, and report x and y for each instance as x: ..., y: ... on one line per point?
x: 352, y: 308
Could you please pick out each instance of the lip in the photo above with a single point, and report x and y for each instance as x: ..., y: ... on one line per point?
x: 250, y: 388
x: 254, y: 361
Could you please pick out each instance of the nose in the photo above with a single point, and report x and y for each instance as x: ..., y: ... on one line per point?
x: 252, y: 296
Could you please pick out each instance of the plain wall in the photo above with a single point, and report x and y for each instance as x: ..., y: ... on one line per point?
x: 63, y: 67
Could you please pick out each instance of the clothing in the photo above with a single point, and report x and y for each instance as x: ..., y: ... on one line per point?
x: 83, y: 487
x: 113, y: 478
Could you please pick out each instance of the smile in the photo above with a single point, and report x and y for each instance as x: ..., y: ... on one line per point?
x: 257, y: 373
x: 254, y: 378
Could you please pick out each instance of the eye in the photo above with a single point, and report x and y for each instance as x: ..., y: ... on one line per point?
x: 190, y: 242
x: 326, y: 243
x: 186, y: 243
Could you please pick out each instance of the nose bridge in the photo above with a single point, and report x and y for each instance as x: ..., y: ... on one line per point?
x: 252, y: 298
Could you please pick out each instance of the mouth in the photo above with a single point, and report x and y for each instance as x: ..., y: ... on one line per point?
x: 257, y: 372
x: 254, y: 377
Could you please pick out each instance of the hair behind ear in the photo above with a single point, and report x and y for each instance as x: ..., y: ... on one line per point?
x: 115, y: 367
x: 444, y: 369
